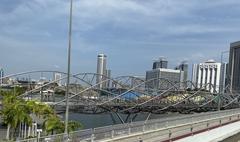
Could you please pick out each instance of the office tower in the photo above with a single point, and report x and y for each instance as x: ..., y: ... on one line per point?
x: 108, y: 74
x: 161, y: 63
x: 1, y: 75
x: 207, y: 73
x: 57, y: 78
x: 101, y: 70
x: 223, y: 78
x: 227, y: 82
x: 234, y: 67
x: 184, y: 67
x: 195, y: 69
x: 153, y: 81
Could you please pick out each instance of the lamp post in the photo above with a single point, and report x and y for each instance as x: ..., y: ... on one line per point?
x: 68, y: 69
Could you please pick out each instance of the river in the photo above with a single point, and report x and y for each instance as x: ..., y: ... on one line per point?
x: 100, y: 120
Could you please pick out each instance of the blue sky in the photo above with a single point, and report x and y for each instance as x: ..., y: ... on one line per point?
x: 33, y: 33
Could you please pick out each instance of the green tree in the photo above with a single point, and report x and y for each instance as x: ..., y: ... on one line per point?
x: 74, y: 125
x: 54, y: 125
x: 14, y: 112
x: 41, y: 110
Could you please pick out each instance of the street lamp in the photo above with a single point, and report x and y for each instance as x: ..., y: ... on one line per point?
x: 68, y: 69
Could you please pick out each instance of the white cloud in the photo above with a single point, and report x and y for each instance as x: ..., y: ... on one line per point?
x: 132, y: 25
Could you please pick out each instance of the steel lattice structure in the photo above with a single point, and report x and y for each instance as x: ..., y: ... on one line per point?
x: 127, y: 94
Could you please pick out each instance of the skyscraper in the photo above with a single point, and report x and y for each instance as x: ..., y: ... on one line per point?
x: 108, y: 74
x: 101, y: 69
x: 154, y: 81
x: 234, y: 67
x: 156, y: 77
x: 223, y: 79
x: 161, y: 63
x: 195, y: 70
x: 184, y: 67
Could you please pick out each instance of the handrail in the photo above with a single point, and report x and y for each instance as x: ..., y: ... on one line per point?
x: 121, y: 130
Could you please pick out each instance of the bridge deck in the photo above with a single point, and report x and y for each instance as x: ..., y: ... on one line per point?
x: 214, y: 135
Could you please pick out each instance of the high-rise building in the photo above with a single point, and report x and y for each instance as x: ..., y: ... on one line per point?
x: 183, y: 67
x: 223, y: 78
x: 154, y: 81
x: 195, y: 69
x: 234, y: 67
x: 208, y: 75
x: 57, y: 78
x: 161, y: 63
x: 101, y: 69
x: 108, y: 74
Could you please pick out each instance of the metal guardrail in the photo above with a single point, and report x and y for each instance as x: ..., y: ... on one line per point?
x: 159, y: 129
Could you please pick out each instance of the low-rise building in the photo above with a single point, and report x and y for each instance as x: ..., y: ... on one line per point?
x: 208, y: 75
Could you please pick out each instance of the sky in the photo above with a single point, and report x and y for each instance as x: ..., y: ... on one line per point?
x: 132, y: 33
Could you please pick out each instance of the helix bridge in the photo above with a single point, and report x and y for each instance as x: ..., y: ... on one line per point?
x: 123, y: 95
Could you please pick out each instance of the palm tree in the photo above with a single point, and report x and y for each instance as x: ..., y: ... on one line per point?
x: 53, y: 124
x: 14, y: 112
x: 39, y: 109
x: 74, y: 125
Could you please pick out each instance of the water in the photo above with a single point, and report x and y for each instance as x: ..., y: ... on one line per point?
x: 100, y: 120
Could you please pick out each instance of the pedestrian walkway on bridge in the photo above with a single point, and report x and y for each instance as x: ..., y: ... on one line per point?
x: 203, y: 127
x: 214, y: 135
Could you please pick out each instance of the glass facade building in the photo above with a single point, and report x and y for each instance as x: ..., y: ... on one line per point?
x: 161, y: 63
x: 234, y: 67
x: 168, y: 78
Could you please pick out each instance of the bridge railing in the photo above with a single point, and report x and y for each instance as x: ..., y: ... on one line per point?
x: 162, y: 129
